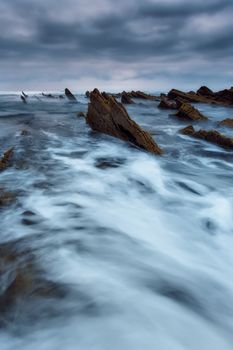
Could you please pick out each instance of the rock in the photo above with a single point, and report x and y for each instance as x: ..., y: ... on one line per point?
x: 227, y: 122
x: 141, y: 95
x: 188, y: 130
x: 48, y: 95
x: 108, y: 116
x: 212, y: 136
x: 6, y: 198
x: 69, y: 95
x: 165, y: 103
x: 24, y: 132
x: 6, y: 159
x: 24, y: 95
x: 87, y: 94
x: 61, y: 97
x: 81, y: 114
x: 126, y: 99
x: 204, y: 95
x: 186, y: 111
x: 23, y: 99
x: 205, y: 91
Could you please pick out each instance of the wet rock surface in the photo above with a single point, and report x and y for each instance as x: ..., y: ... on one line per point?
x: 212, y: 136
x: 126, y: 99
x: 70, y: 96
x: 107, y: 116
x: 6, y: 159
x: 188, y: 112
x: 227, y: 122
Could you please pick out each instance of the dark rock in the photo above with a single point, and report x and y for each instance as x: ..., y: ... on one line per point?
x: 186, y: 111
x: 166, y: 103
x: 69, y: 95
x: 6, y: 198
x: 23, y: 99
x: 87, y: 94
x: 24, y: 132
x: 48, y: 95
x: 108, y: 116
x: 227, y: 122
x: 141, y: 95
x: 205, y: 91
x: 81, y: 114
x: 6, y: 159
x: 126, y: 99
x: 24, y: 95
x: 212, y: 136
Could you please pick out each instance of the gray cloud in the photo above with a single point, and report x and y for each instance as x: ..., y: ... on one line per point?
x: 148, y: 45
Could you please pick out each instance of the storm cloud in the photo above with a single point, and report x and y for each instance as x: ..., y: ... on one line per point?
x: 150, y: 45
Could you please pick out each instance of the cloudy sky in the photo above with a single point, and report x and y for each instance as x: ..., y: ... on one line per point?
x: 115, y: 44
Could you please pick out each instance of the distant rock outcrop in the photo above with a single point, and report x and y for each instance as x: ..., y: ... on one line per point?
x: 141, y: 95
x: 108, y: 116
x: 188, y: 112
x: 212, y: 136
x: 69, y: 95
x: 126, y: 99
x: 204, y: 95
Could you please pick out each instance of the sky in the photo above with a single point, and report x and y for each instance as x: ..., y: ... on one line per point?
x: 115, y: 45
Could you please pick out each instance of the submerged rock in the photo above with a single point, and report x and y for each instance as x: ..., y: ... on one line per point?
x: 6, y: 198
x: 212, y: 136
x: 227, y: 122
x: 69, y: 95
x: 6, y: 159
x: 24, y: 132
x: 126, y: 99
x: 187, y: 111
x: 87, y: 94
x: 108, y: 116
x: 23, y: 99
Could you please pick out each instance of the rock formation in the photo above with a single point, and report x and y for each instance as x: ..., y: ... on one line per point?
x: 166, y: 103
x: 188, y: 112
x: 69, y: 95
x: 212, y: 136
x: 227, y: 122
x: 6, y: 159
x: 108, y: 116
x: 126, y: 99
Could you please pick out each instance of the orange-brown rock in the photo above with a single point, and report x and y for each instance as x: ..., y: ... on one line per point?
x: 108, y: 116
x: 227, y: 122
x: 126, y: 99
x: 188, y: 112
x: 204, y: 95
x: 142, y: 95
x: 212, y: 136
x: 6, y: 158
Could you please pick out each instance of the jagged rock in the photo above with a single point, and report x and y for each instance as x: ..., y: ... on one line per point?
x: 205, y: 91
x: 186, y: 111
x: 165, y: 103
x: 108, y: 116
x: 24, y: 95
x: 126, y: 99
x: 142, y: 95
x: 227, y: 122
x: 212, y: 136
x: 87, y: 94
x: 204, y: 95
x: 81, y: 114
x: 6, y: 159
x: 23, y: 99
x: 69, y: 95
